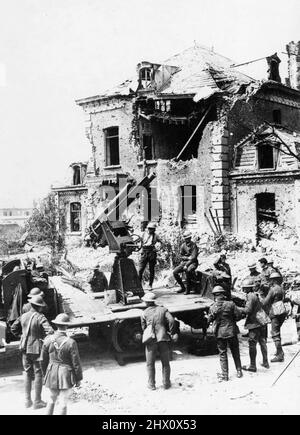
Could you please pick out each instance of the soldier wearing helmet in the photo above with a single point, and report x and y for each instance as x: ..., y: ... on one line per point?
x: 35, y: 291
x: 274, y: 305
x: 256, y: 325
x: 34, y: 327
x: 61, y: 365
x: 224, y: 314
x: 265, y: 272
x: 163, y: 325
x: 189, y: 262
x: 255, y: 275
x: 150, y: 244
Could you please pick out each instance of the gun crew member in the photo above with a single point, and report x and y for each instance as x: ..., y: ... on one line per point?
x: 189, y: 263
x: 34, y: 327
x: 61, y: 365
x: 225, y: 314
x: 150, y: 244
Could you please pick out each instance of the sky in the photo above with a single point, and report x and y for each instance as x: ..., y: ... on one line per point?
x: 55, y: 51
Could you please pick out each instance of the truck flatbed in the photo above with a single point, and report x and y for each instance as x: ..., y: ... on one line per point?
x: 84, y: 309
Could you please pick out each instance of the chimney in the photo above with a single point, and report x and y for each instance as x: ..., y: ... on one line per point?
x: 293, y: 51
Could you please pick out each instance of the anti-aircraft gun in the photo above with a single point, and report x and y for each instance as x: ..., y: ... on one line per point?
x: 117, y: 234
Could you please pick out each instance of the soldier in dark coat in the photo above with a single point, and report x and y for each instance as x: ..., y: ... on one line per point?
x: 98, y: 281
x: 225, y: 314
x: 257, y: 330
x: 34, y: 327
x: 189, y: 263
x: 60, y: 364
x: 163, y: 326
x: 274, y: 305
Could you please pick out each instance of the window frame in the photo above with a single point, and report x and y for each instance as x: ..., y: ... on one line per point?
x: 72, y: 220
x: 273, y: 168
x: 107, y: 138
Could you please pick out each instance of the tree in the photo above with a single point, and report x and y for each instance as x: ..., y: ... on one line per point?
x: 47, y: 224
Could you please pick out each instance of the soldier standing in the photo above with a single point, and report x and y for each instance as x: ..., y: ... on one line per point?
x: 163, y: 325
x: 189, y: 263
x: 34, y: 327
x: 150, y: 242
x: 254, y: 275
x: 61, y: 365
x: 222, y: 274
x: 35, y: 291
x: 264, y: 276
x: 225, y: 314
x: 257, y: 330
x: 274, y: 305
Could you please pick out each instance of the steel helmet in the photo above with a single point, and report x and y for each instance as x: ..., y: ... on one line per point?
x: 61, y: 319
x: 149, y: 297
x: 218, y: 289
x: 38, y: 301
x: 34, y: 292
x: 252, y: 265
x: 187, y: 234
x: 275, y: 275
x: 248, y: 283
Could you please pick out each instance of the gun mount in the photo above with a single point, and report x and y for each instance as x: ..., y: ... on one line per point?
x: 117, y: 234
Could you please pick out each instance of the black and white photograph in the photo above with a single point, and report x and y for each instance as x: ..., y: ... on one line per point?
x: 149, y: 210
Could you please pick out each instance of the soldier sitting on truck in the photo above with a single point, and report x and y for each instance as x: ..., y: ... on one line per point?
x: 34, y: 278
x: 222, y: 273
x: 189, y: 263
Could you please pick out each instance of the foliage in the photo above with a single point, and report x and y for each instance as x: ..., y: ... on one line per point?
x: 44, y: 222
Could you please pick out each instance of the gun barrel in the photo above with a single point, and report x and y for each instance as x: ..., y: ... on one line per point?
x: 122, y: 201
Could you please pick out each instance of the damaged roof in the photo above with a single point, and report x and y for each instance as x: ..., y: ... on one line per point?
x: 203, y: 71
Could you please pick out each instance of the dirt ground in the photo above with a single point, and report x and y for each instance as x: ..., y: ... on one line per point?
x: 110, y: 389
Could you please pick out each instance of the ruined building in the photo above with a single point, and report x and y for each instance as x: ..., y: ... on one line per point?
x: 220, y: 142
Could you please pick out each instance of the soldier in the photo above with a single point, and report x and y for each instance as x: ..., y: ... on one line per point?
x: 34, y: 327
x: 274, y: 305
x: 150, y: 243
x: 189, y: 262
x: 163, y: 326
x: 98, y: 282
x: 222, y: 273
x: 257, y: 330
x: 264, y: 276
x: 225, y: 314
x: 61, y: 365
x: 254, y: 275
x: 35, y: 291
x: 274, y: 268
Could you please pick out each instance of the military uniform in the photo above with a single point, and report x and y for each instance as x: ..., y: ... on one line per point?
x: 34, y: 327
x: 276, y: 294
x: 98, y: 281
x: 224, y: 314
x: 257, y: 331
x: 163, y: 325
x: 148, y: 255
x: 61, y: 367
x: 189, y: 263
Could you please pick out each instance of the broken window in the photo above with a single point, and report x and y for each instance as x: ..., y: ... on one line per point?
x: 112, y: 156
x: 266, y: 215
x: 265, y: 156
x: 277, y: 116
x: 148, y: 147
x: 76, y: 175
x: 75, y: 216
x: 188, y: 202
x: 145, y: 77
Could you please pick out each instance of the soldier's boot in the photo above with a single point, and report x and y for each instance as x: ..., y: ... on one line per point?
x: 27, y: 384
x: 252, y: 354
x: 50, y: 408
x: 264, y: 351
x: 279, y: 357
x: 38, y: 385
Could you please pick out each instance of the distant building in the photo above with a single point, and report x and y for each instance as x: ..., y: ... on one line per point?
x: 12, y: 219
